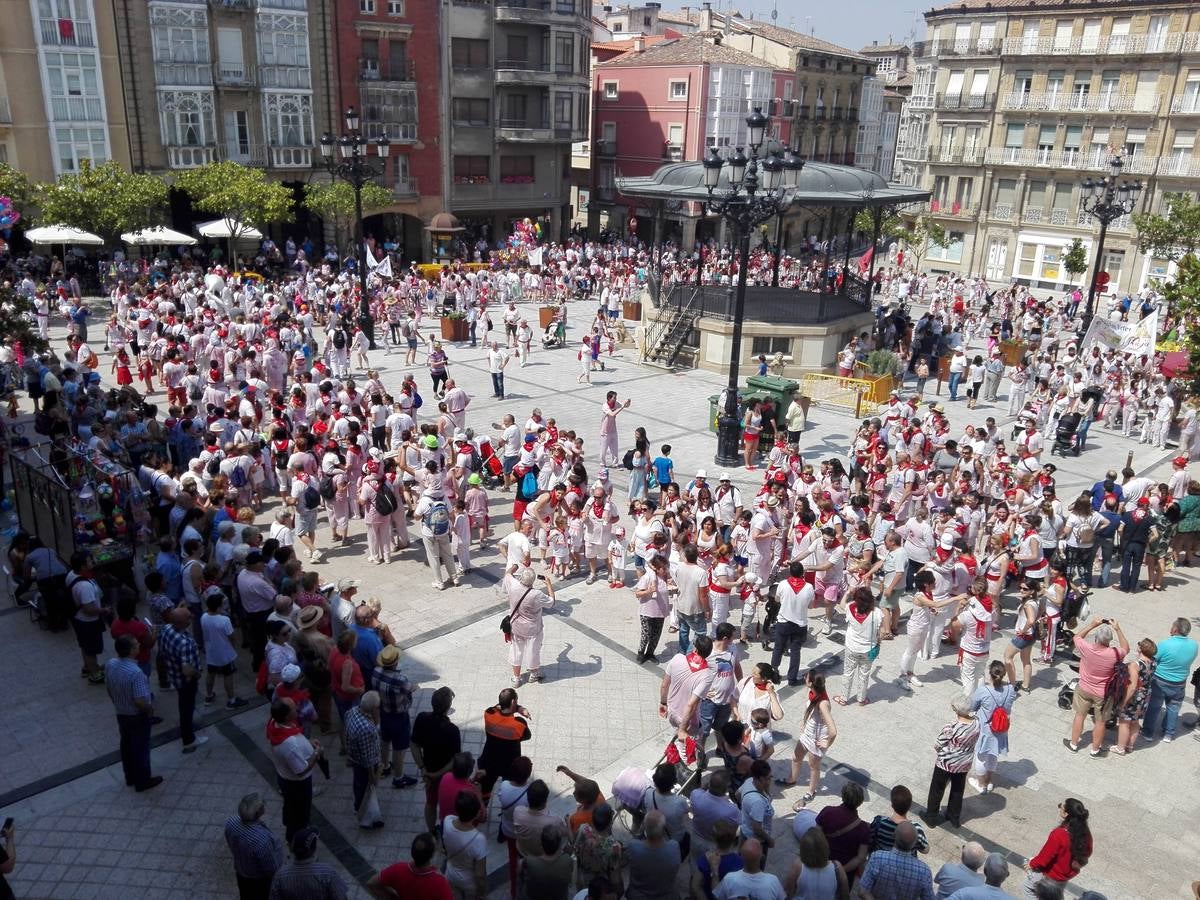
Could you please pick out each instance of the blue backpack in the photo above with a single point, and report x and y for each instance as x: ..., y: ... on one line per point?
x: 529, y: 484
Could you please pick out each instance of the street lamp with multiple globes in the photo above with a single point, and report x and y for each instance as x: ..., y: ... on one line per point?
x: 353, y: 164
x: 1106, y: 201
x: 745, y: 203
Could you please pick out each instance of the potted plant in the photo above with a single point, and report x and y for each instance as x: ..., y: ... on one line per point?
x: 1012, y: 352
x: 883, y: 371
x: 454, y: 327
x: 547, y: 314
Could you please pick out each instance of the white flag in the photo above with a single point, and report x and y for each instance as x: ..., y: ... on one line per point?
x: 383, y: 269
x: 535, y: 257
x: 1125, y: 337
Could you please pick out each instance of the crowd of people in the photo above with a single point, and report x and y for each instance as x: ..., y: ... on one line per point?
x: 272, y: 408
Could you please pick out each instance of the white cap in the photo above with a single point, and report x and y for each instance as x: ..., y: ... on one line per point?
x: 947, y: 542
x: 724, y: 477
x: 700, y: 473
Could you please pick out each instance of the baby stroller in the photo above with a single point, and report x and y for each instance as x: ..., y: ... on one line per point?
x: 487, y: 464
x: 1066, y: 439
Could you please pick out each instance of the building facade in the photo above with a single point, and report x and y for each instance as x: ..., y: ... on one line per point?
x: 516, y: 95
x: 60, y: 87
x: 1014, y: 106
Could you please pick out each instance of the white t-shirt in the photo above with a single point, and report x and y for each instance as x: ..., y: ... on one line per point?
x: 463, y: 849
x: 218, y: 649
x: 518, y: 548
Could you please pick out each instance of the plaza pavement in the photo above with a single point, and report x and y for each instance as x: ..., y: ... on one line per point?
x: 81, y: 833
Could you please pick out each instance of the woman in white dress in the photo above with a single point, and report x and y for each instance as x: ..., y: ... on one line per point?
x: 757, y: 691
x: 815, y: 740
x: 525, y: 605
x: 466, y: 849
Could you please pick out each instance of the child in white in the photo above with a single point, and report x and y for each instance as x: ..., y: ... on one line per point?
x: 220, y: 657
x: 616, y: 558
x: 575, y: 542
x: 762, y: 741
x: 976, y: 623
x: 558, y: 548
x: 749, y: 594
x: 460, y: 536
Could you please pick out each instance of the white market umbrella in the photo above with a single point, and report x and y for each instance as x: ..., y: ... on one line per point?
x: 158, y: 235
x: 63, y: 234
x: 221, y: 228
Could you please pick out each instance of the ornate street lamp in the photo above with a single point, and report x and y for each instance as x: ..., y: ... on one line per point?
x: 744, y: 203
x: 1106, y: 201
x: 354, y: 165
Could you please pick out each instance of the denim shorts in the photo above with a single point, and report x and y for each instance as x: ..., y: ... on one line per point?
x: 395, y: 727
x: 1021, y: 643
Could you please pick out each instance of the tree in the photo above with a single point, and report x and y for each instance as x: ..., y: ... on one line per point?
x: 334, y: 202
x: 243, y: 196
x: 17, y: 323
x: 17, y: 187
x: 104, y: 199
x: 891, y: 226
x: 1075, y: 259
x: 1182, y: 296
x: 922, y: 236
x: 1173, y: 236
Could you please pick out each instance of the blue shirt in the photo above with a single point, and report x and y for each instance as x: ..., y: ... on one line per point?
x: 171, y: 569
x: 1175, y: 657
x: 365, y: 652
x: 662, y: 469
x: 126, y: 685
x: 1098, y: 493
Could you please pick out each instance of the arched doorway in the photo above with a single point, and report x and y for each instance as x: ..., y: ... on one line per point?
x: 399, y: 233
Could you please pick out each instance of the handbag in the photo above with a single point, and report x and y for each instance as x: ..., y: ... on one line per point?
x: 873, y: 653
x: 506, y: 622
x: 368, y: 811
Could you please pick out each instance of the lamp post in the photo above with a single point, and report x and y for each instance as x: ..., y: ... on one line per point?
x: 745, y: 202
x: 1106, y: 201
x: 353, y: 164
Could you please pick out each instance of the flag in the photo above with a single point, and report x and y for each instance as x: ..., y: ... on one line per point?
x: 864, y: 261
x: 383, y: 269
x: 535, y: 257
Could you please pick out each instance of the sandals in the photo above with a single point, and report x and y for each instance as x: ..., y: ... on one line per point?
x: 802, y: 802
x: 840, y: 701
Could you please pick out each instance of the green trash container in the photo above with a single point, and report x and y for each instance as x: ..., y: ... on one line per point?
x: 779, y: 390
x: 714, y: 414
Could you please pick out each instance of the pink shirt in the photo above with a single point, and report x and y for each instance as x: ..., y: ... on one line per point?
x: 655, y: 606
x: 1096, y: 665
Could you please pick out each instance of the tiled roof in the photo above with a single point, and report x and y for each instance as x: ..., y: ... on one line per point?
x: 624, y: 45
x: 676, y: 18
x: 794, y: 39
x: 884, y: 48
x: 689, y: 50
x: 1024, y: 5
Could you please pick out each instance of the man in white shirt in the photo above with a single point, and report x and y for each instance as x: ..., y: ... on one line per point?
x: 751, y: 881
x: 510, y: 444
x: 795, y: 596
x: 497, y: 360
x: 294, y: 757
x: 517, y: 546
x: 691, y: 603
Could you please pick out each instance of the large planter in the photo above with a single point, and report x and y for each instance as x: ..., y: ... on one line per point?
x: 632, y: 310
x: 546, y: 315
x: 1012, y: 352
x: 455, y: 329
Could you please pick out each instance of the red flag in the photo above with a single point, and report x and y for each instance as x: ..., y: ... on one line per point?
x: 864, y: 261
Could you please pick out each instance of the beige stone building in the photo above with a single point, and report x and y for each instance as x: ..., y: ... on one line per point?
x: 60, y: 87
x: 1015, y: 102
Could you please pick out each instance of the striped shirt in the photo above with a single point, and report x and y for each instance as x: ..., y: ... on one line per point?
x: 362, y: 739
x: 178, y: 649
x: 892, y: 875
x: 955, y: 746
x: 883, y: 835
x: 126, y: 685
x: 307, y: 880
x: 395, y: 690
x: 256, y: 851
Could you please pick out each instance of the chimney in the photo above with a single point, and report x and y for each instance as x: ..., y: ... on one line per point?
x: 639, y: 44
x: 706, y: 17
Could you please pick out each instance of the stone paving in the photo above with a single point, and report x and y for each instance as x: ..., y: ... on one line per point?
x: 80, y: 833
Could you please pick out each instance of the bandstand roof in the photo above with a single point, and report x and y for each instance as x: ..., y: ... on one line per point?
x: 821, y: 184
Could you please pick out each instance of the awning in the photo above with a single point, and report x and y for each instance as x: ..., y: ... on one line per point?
x: 63, y: 234
x: 227, y: 228
x: 159, y: 234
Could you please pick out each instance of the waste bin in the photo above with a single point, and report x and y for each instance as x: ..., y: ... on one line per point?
x: 714, y: 412
x: 779, y: 390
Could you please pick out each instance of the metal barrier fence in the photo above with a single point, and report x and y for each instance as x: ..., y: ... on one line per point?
x: 835, y: 390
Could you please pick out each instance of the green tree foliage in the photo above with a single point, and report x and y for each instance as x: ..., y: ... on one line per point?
x: 1183, y: 299
x: 1174, y: 235
x: 334, y: 202
x: 18, y: 188
x: 243, y: 196
x: 891, y: 226
x: 16, y: 321
x: 1075, y: 259
x: 922, y: 236
x: 103, y: 199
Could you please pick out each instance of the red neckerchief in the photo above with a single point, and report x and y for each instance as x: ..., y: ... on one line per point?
x: 859, y: 617
x: 696, y: 662
x: 598, y: 508
x: 277, y: 734
x: 796, y: 584
x: 814, y: 697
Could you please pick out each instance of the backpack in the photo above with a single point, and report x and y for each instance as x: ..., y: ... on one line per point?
x: 279, y: 455
x: 312, y: 497
x: 1117, y: 684
x: 1086, y: 534
x: 385, y: 499
x: 237, y: 478
x: 436, y: 518
x: 529, y: 485
x: 214, y: 467
x: 339, y: 339
x: 406, y: 328
x: 417, y: 401
x: 627, y: 460
x: 327, y: 488
x: 998, y: 721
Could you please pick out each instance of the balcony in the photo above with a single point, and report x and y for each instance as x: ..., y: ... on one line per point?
x: 532, y: 11
x: 291, y: 157
x: 1186, y: 106
x: 76, y: 109
x: 954, y: 209
x: 1178, y: 167
x: 959, y: 157
x: 1001, y: 212
x: 5, y: 112
x: 1109, y: 45
x: 852, y: 113
x: 922, y: 101
x: 233, y: 75
x: 235, y: 5
x: 915, y: 153
x: 67, y: 33
x: 606, y: 148
x: 802, y: 111
x: 835, y: 114
x: 190, y: 157
x: 1073, y: 102
x: 1059, y: 216
x: 967, y: 47
x: 673, y: 152
x: 966, y: 102
x: 182, y: 74
x: 395, y: 131
x: 524, y: 71
x: 376, y: 70
x: 819, y: 112
x: 405, y: 187
x: 525, y: 130
x: 285, y: 77
x: 1032, y: 216
x: 1085, y: 220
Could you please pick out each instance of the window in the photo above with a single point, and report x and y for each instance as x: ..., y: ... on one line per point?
x: 564, y: 53
x: 398, y: 68
x: 678, y: 90
x: 516, y: 170
x: 187, y: 118
x: 1190, y: 101
x: 1023, y: 82
x: 1114, y: 261
x: 75, y: 144
x: 1046, y: 136
x: 1081, y: 88
x: 517, y: 48
x: 952, y: 252
x: 611, y: 90
x: 395, y: 7
x: 1135, y: 142
x: 608, y: 132
x: 1026, y: 259
x: 1118, y: 39
x: 1014, y: 136
x: 366, y: 7
x: 1050, y: 263
x: 515, y: 107
x: 1054, y: 85
x: 675, y: 134
x: 1181, y: 152
x: 954, y: 85
x: 1098, y: 155
x: 1035, y: 198
x: 1072, y: 142
x: 769, y: 346
x: 469, y: 53
x: 979, y: 82
x: 389, y: 111
x: 472, y: 170
x: 563, y: 110
x: 470, y: 111
x: 1062, y: 35
x: 74, y: 87
x: 987, y: 35
x: 1091, y: 36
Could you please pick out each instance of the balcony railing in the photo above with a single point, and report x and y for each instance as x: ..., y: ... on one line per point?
x: 1073, y: 102
x: 291, y: 157
x: 233, y: 74
x: 375, y: 70
x: 190, y: 157
x: 5, y: 112
x: 523, y: 65
x: 966, y: 101
x: 606, y: 148
x: 244, y: 5
x: 1085, y: 220
x: 76, y: 109
x: 285, y: 76
x: 1178, y: 167
x: 405, y: 187
x: 182, y: 73
x: 1001, y: 212
x: 1032, y: 216
x: 916, y: 153
x: 673, y: 152
x: 67, y: 33
x: 1108, y: 45
x: 954, y: 209
x: 960, y: 157
x: 1186, y: 105
x: 1059, y: 216
x: 819, y: 112
x: 852, y: 113
x: 835, y: 114
x: 966, y: 47
x: 922, y: 101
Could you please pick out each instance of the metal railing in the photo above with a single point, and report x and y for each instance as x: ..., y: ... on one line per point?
x: 1085, y: 220
x: 673, y: 152
x: 371, y: 69
x: 76, y: 109
x: 1077, y: 102
x: 606, y: 148
x: 190, y: 157
x: 525, y: 124
x: 954, y: 209
x: 966, y: 47
x: 182, y: 73
x: 966, y: 101
x: 1108, y: 45
x: 233, y: 74
x: 405, y: 187
x: 285, y: 76
x: 1179, y: 167
x: 67, y: 33
x: 960, y: 157
x: 1001, y: 212
x: 1186, y: 105
x: 232, y: 4
x: 523, y: 65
